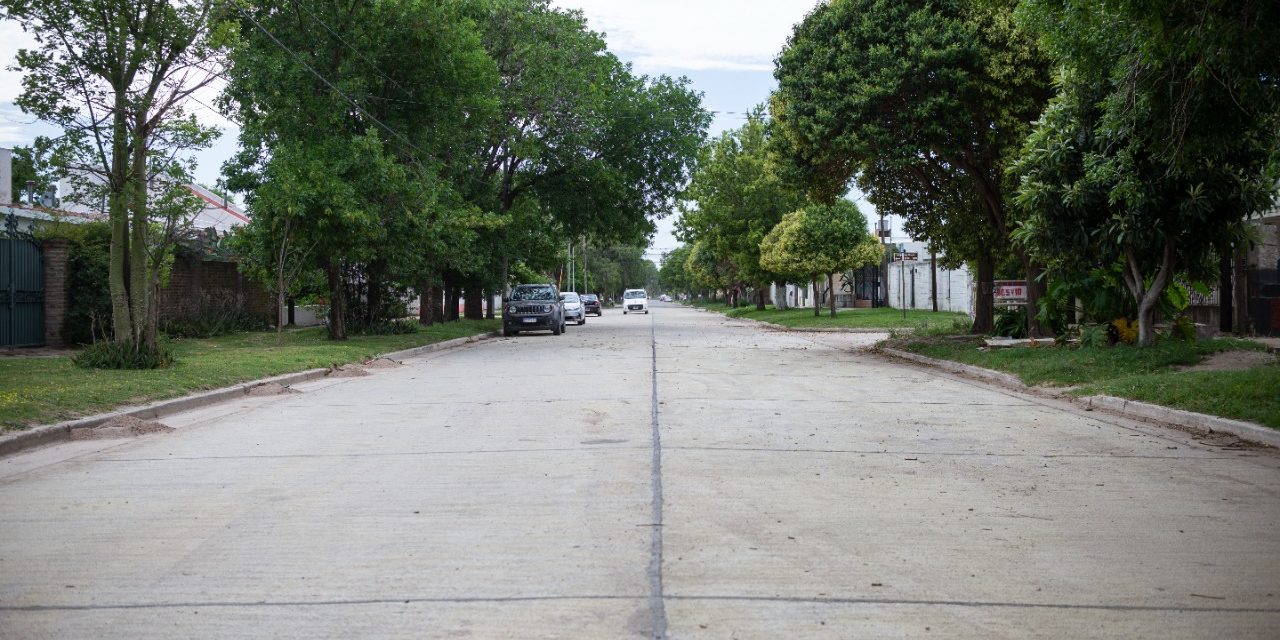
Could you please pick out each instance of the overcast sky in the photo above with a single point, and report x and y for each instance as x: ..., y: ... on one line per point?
x: 725, y: 47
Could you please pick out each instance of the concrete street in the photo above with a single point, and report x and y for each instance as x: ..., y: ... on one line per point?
x: 672, y: 475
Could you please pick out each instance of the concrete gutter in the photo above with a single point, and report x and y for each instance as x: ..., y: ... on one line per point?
x: 1000, y: 377
x: 1247, y: 431
x: 52, y: 433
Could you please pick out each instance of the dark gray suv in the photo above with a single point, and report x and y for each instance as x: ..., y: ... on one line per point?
x: 533, y: 307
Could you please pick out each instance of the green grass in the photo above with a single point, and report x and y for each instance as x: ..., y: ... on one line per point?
x: 45, y: 390
x: 1146, y: 374
x: 882, y: 318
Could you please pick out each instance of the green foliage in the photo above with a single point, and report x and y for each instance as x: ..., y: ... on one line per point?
x: 1093, y: 336
x: 1160, y: 142
x: 213, y: 322
x: 384, y: 327
x: 819, y: 240
x: 735, y: 197
x: 32, y: 163
x: 88, y: 314
x: 1011, y: 323
x: 107, y: 354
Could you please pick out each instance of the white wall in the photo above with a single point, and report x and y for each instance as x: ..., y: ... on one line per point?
x: 955, y: 288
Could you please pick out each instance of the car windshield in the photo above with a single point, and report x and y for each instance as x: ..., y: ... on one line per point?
x: 569, y: 297
x: 533, y: 293
x: 589, y: 297
x: 634, y: 294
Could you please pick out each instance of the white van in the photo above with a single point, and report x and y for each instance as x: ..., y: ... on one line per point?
x: 635, y: 300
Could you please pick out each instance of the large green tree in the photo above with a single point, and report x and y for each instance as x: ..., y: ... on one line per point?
x: 925, y: 101
x: 601, y: 150
x: 821, y: 241
x: 356, y: 118
x: 115, y: 76
x: 1161, y: 142
x: 736, y: 195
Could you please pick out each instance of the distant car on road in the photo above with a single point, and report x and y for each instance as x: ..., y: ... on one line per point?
x: 533, y: 307
x: 591, y: 304
x: 635, y: 300
x: 573, y: 309
x: 665, y: 298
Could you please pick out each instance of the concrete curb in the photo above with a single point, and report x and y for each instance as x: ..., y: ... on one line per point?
x: 1244, y: 430
x: 956, y: 367
x: 48, y: 434
x: 1248, y: 431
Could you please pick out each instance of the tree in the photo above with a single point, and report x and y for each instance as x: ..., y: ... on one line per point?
x: 924, y: 101
x: 114, y: 75
x: 821, y: 240
x: 602, y: 151
x: 735, y: 196
x: 351, y: 144
x: 673, y: 276
x: 32, y: 164
x: 1160, y: 143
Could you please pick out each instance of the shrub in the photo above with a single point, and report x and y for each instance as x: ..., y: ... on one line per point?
x: 106, y: 354
x: 213, y: 322
x: 1093, y: 335
x: 382, y: 327
x: 1011, y: 323
x: 88, y: 315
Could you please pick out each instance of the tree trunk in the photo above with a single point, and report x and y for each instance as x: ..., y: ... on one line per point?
x: 451, y: 295
x: 831, y: 293
x: 813, y: 291
x: 489, y: 312
x: 293, y: 304
x: 425, y: 317
x: 780, y: 295
x: 437, y: 305
x: 762, y: 293
x: 139, y: 292
x: 1147, y: 296
x: 984, y: 296
x: 474, y: 303
x: 1036, y: 291
x: 118, y: 206
x: 1225, y: 307
x: 933, y: 278
x: 337, y: 301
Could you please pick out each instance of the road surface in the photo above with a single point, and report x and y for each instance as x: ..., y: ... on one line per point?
x: 676, y: 474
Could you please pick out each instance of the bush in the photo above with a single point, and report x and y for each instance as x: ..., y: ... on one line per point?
x: 1011, y: 323
x: 106, y: 354
x: 213, y: 322
x: 1094, y: 335
x: 382, y: 327
x: 88, y: 315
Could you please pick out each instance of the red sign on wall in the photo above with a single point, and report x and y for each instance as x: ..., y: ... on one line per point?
x: 1011, y: 291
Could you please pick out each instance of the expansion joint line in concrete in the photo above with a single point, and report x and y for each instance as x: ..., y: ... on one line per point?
x: 657, y: 604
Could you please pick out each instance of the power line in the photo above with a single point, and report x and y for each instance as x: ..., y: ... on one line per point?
x: 327, y: 83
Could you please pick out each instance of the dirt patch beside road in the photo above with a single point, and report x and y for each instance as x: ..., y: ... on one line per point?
x: 119, y: 427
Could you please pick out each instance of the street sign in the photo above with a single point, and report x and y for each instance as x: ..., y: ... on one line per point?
x: 906, y: 257
x: 1011, y: 292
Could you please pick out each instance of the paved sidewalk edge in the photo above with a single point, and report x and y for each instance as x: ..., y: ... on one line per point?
x: 48, y: 434
x: 1248, y: 431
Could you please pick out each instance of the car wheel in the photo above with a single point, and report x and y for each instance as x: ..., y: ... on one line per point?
x: 555, y: 331
x: 582, y: 321
x: 507, y: 332
x: 646, y: 312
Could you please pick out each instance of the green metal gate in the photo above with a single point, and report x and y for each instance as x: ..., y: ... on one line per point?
x: 21, y: 288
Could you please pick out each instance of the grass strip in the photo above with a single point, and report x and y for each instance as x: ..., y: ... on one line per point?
x: 881, y: 318
x: 1150, y: 374
x: 36, y: 391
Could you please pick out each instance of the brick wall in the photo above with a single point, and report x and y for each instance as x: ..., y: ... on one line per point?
x: 55, y: 290
x: 195, y: 286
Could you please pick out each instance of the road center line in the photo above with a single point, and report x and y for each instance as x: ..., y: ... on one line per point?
x: 657, y: 605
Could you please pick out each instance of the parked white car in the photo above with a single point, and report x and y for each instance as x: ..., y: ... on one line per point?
x: 573, y: 309
x: 636, y: 300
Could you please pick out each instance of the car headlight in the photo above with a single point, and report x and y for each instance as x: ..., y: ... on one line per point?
x: 548, y: 308
x: 511, y: 310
